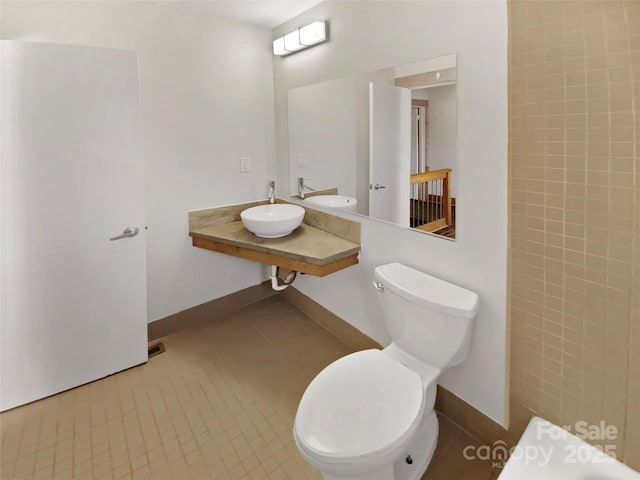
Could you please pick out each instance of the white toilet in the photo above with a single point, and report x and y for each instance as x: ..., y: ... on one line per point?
x: 369, y: 415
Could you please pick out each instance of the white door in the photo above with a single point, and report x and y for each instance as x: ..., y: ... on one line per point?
x: 389, y: 152
x: 72, y: 302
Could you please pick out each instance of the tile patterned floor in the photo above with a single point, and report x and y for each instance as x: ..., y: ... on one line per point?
x: 449, y: 463
x: 218, y: 404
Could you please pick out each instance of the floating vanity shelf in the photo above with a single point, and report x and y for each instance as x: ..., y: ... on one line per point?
x: 321, y: 245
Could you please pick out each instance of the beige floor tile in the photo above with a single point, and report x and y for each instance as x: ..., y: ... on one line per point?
x: 218, y: 404
x: 448, y: 460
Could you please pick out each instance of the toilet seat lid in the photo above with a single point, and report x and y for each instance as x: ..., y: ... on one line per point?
x: 359, y: 405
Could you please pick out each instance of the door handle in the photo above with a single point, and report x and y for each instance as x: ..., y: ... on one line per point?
x: 377, y: 186
x: 128, y: 232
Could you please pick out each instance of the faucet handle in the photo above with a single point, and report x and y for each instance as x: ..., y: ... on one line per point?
x: 271, y: 196
x: 302, y: 185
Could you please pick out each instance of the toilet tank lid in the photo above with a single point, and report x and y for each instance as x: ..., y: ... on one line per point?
x: 428, y: 291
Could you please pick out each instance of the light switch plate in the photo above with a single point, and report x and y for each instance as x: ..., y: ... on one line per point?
x: 245, y: 164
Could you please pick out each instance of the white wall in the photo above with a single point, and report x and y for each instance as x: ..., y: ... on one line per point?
x: 206, y: 93
x: 366, y: 36
x: 317, y: 113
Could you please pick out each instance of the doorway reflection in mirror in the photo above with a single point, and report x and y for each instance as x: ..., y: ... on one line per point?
x: 433, y: 155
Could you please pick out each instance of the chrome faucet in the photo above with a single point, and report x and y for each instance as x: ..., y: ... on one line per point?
x: 302, y: 187
x: 272, y: 191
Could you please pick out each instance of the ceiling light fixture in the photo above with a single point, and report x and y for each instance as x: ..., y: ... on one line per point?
x: 301, y: 38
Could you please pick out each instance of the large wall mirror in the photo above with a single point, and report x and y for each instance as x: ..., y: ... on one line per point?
x: 384, y: 140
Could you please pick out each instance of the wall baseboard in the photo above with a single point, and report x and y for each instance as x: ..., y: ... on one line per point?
x: 471, y: 420
x: 208, y: 312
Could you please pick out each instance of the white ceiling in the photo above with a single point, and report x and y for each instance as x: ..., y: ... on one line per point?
x: 263, y: 13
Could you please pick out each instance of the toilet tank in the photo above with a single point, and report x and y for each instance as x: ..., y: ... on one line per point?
x: 428, y: 318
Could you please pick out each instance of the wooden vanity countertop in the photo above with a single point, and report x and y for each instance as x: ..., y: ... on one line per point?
x: 307, y: 250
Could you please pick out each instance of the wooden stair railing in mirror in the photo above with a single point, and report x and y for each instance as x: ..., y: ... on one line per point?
x: 431, y: 200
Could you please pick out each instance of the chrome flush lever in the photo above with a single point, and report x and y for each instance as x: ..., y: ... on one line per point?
x: 379, y: 286
x: 128, y: 232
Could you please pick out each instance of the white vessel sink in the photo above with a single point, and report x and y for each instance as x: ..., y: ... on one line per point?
x: 272, y: 221
x: 342, y: 202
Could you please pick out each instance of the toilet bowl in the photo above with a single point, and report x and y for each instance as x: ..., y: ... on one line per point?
x: 369, y: 415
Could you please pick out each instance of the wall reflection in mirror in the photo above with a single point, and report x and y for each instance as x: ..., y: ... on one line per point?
x: 385, y: 138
